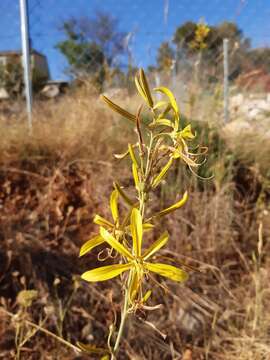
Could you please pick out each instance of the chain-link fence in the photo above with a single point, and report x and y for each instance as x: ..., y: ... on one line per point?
x: 179, y: 44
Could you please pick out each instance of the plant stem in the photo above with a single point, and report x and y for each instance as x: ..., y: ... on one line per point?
x: 45, y: 331
x: 142, y: 201
x: 123, y: 320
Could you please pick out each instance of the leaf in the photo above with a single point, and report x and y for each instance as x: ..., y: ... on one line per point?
x: 186, y: 133
x: 91, y: 348
x: 123, y: 194
x: 91, y: 244
x: 168, y: 271
x: 99, y: 220
x: 118, y: 109
x: 174, y: 207
x: 115, y: 244
x: 158, y: 244
x: 105, y: 272
x: 171, y: 97
x: 132, y: 155
x: 114, y: 205
x: 161, y: 175
x: 136, y: 228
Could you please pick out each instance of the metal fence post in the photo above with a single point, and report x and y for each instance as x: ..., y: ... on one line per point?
x: 226, y: 79
x: 26, y: 59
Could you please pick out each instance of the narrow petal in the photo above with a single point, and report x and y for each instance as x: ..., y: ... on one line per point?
x: 146, y: 89
x: 123, y: 194
x: 118, y: 109
x: 171, y: 97
x: 186, y: 133
x: 115, y: 244
x: 158, y: 244
x: 168, y: 271
x: 163, y: 122
x: 174, y: 207
x: 91, y: 244
x: 105, y: 272
x: 160, y: 104
x: 114, y: 205
x: 162, y: 174
x: 148, y: 226
x: 132, y: 155
x: 134, y: 285
x: 135, y: 175
x: 136, y: 228
x: 99, y: 220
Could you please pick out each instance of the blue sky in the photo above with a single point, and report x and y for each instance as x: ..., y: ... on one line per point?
x: 144, y: 18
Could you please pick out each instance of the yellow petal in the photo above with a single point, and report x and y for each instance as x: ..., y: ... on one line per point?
x: 168, y: 271
x: 143, y: 88
x: 115, y: 244
x: 114, y: 205
x: 173, y: 207
x: 186, y: 133
x: 99, y: 220
x: 105, y: 272
x: 146, y: 296
x: 161, y: 175
x: 123, y: 194
x: 188, y: 160
x: 136, y: 228
x: 158, y: 244
x: 148, y: 226
x: 121, y: 156
x: 160, y: 104
x: 132, y: 155
x: 118, y: 109
x: 134, y: 285
x: 135, y: 175
x: 91, y: 244
x: 171, y: 97
x: 162, y: 122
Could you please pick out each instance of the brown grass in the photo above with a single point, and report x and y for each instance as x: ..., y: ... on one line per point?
x: 53, y: 182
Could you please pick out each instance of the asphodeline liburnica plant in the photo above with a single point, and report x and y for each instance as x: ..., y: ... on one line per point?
x: 160, y: 142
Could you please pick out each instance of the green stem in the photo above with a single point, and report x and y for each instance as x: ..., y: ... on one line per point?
x: 142, y: 201
x: 123, y: 320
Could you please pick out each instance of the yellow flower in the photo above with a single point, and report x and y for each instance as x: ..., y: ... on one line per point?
x: 115, y: 227
x: 136, y: 260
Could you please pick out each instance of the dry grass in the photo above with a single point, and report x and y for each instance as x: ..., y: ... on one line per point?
x: 52, y: 184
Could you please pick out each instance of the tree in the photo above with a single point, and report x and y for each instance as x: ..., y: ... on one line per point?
x: 91, y: 44
x: 11, y: 78
x: 165, y: 56
x: 259, y: 58
x: 186, y: 37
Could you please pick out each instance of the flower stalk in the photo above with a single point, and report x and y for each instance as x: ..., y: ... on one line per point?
x: 151, y: 160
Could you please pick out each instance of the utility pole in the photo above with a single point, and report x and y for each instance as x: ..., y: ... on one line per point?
x: 226, y: 79
x: 26, y: 60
